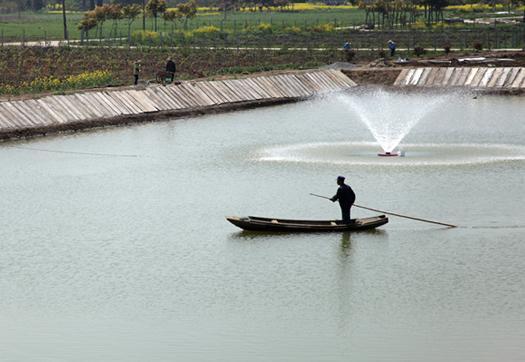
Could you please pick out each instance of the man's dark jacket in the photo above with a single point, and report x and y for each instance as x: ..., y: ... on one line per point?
x: 345, y: 195
x: 170, y: 66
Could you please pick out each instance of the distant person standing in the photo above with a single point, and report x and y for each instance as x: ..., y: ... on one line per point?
x: 346, y: 197
x: 348, y: 52
x: 392, y: 46
x: 136, y: 71
x: 171, y: 68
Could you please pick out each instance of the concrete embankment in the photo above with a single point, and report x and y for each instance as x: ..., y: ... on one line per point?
x: 498, y: 80
x: 486, y: 79
x: 373, y: 76
x: 55, y: 113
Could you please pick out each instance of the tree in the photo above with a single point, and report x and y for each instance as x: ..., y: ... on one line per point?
x: 434, y: 10
x: 154, y: 8
x: 20, y: 6
x: 187, y: 11
x: 37, y: 5
x: 143, y: 15
x: 391, y: 13
x: 101, y: 14
x: 88, y: 22
x: 131, y: 12
x: 114, y: 13
x: 282, y: 4
x: 228, y: 5
x: 172, y: 15
x: 522, y: 2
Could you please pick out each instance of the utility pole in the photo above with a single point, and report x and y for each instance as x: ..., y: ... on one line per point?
x: 64, y: 18
x: 143, y: 15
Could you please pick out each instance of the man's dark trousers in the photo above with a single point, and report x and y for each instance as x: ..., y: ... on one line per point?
x: 345, y: 213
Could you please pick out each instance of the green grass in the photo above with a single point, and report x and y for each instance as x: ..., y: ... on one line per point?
x: 343, y: 17
x: 48, y: 26
x: 37, y: 26
x: 42, y: 26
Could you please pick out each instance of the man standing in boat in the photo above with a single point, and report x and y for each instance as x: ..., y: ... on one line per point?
x: 346, y: 198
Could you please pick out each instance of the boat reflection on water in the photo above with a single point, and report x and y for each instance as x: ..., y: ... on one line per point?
x: 345, y: 241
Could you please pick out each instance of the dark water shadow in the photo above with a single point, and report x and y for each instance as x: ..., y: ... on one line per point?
x: 345, y: 235
x: 344, y: 281
x: 345, y: 246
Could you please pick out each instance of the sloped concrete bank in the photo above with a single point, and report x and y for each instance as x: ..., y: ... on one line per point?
x: 374, y: 76
x: 84, y: 110
x: 485, y: 79
x: 488, y: 80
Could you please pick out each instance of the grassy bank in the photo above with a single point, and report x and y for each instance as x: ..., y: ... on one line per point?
x: 23, y: 66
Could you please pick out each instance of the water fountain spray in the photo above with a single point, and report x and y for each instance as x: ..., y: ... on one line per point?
x: 390, y: 116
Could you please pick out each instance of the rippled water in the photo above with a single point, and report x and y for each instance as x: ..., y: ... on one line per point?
x: 114, y: 244
x: 366, y: 153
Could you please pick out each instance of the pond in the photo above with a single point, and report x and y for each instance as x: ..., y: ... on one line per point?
x: 114, y: 244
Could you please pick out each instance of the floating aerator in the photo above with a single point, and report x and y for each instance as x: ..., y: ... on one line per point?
x: 399, y: 153
x: 388, y: 154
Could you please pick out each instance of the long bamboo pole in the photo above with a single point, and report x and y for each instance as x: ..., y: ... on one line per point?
x: 394, y: 214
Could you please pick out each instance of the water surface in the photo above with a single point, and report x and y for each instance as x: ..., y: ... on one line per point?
x: 114, y: 244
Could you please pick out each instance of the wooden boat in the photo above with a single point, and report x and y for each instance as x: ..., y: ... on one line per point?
x: 254, y: 223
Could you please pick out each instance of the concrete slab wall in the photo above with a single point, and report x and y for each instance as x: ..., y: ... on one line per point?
x: 482, y: 78
x: 104, y: 107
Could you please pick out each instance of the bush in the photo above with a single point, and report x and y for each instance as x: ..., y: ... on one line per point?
x: 419, y: 51
x: 87, y: 79
x: 260, y: 29
x: 93, y: 79
x: 9, y: 89
x: 323, y: 28
x: 476, y: 8
x: 206, y: 32
x: 264, y: 28
x: 145, y: 37
x: 292, y: 30
x: 419, y: 24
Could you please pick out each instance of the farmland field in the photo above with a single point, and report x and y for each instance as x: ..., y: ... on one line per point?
x: 22, y: 65
x: 48, y: 25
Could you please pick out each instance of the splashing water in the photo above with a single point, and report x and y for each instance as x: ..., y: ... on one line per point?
x: 391, y: 115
